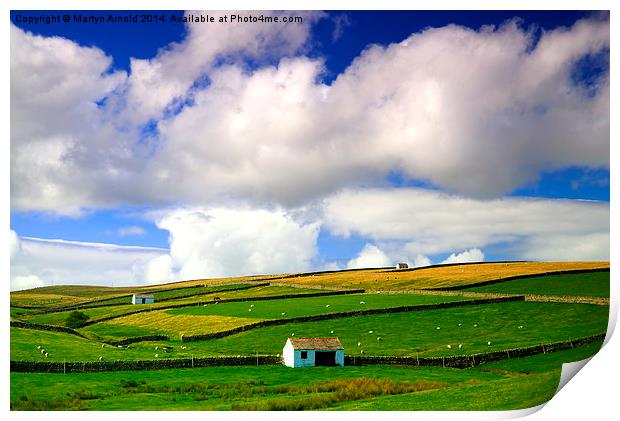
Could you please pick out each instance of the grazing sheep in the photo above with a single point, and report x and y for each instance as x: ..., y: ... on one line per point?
x: 292, y: 334
x: 379, y: 338
x: 362, y: 351
x: 438, y: 328
x: 489, y: 343
x: 370, y: 331
x: 475, y: 325
x: 359, y: 344
x: 119, y: 346
x: 46, y: 355
x: 283, y: 313
x: 520, y: 327
x: 331, y: 331
x: 250, y: 310
x: 449, y: 346
x: 327, y: 305
x: 39, y: 347
x: 156, y: 347
x: 460, y: 324
x: 42, y: 351
x: 460, y: 346
x: 102, y: 345
x: 251, y: 305
x: 362, y: 302
x: 100, y: 358
x: 204, y: 305
x: 156, y: 355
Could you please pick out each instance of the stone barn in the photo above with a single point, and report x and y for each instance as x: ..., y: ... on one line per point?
x: 310, y: 352
x: 142, y: 299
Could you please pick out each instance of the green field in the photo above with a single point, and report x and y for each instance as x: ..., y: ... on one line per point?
x: 464, y: 330
x: 531, y: 382
x: 594, y: 284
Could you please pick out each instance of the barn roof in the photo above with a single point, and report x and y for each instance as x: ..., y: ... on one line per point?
x: 139, y: 295
x: 316, y: 343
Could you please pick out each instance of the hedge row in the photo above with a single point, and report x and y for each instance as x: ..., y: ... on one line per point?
x: 97, y: 366
x: 37, y: 326
x: 512, y: 278
x: 465, y: 361
x: 230, y: 300
x: 461, y: 361
x: 263, y: 284
x: 276, y: 322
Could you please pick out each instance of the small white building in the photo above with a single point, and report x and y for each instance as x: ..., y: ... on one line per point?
x: 310, y: 352
x: 142, y: 299
x: 402, y: 266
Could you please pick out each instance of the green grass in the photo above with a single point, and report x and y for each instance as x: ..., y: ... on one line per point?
x: 415, y: 333
x: 412, y: 333
x: 503, y: 385
x: 296, y: 307
x: 595, y: 284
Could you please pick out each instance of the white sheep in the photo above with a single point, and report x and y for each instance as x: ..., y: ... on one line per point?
x: 326, y: 305
x: 460, y: 324
x: 359, y: 344
x: 42, y: 351
x: 39, y: 347
x: 379, y: 338
x: 100, y: 358
x: 46, y: 355
x: 438, y: 328
x: 362, y: 302
x: 251, y: 305
x: 283, y: 313
x: 102, y: 345
x: 489, y: 343
x: 331, y: 331
x: 520, y: 327
x: 119, y: 346
x: 362, y: 351
x: 475, y: 325
x: 156, y: 355
x: 250, y: 310
x: 460, y: 346
x: 156, y: 347
x: 449, y: 346
x: 292, y: 334
x: 370, y: 331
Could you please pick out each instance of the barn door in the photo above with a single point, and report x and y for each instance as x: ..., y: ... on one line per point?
x: 325, y: 358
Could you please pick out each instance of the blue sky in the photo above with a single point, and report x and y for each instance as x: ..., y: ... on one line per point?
x: 141, y: 156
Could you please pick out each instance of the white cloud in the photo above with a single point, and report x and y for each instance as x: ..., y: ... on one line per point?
x: 472, y: 255
x: 222, y: 242
x: 416, y: 221
x: 421, y: 260
x: 15, y: 245
x: 132, y: 230
x: 42, y: 262
x: 511, y: 111
x: 370, y: 257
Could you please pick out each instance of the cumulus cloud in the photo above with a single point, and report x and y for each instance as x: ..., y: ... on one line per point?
x: 15, y: 245
x: 42, y: 262
x: 417, y: 221
x: 468, y: 256
x: 511, y: 111
x: 370, y: 257
x: 206, y: 243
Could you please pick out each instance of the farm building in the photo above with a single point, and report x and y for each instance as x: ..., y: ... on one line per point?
x: 142, y: 299
x: 402, y: 266
x: 310, y: 352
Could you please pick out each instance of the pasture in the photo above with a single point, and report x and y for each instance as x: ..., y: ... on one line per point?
x: 460, y: 330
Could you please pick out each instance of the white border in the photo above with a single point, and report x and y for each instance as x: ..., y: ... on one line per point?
x: 592, y: 393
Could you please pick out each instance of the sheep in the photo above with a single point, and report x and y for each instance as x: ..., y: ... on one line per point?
x: 489, y: 343
x: 362, y: 351
x: 326, y: 305
x: 460, y: 324
x: 100, y: 358
x: 283, y: 313
x: 251, y: 305
x: 46, y: 355
x: 156, y: 347
x: 370, y: 331
x: 42, y: 351
x: 460, y: 346
x: 379, y: 338
x: 39, y: 347
x: 331, y: 331
x: 520, y: 327
x: 359, y: 344
x: 119, y: 346
x: 449, y: 346
x: 250, y: 309
x: 438, y: 328
x: 102, y: 345
x: 156, y: 355
x: 292, y: 334
x: 362, y: 302
x: 475, y: 325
